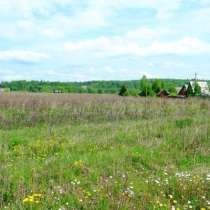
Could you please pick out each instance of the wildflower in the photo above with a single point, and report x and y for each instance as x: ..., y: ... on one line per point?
x: 79, y: 164
x: 37, y: 195
x: 34, y: 198
x: 203, y: 208
x: 28, y: 200
x: 60, y: 189
x: 157, y: 182
x: 170, y: 196
x: 62, y: 208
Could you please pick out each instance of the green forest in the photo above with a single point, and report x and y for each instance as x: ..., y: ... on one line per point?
x: 85, y: 87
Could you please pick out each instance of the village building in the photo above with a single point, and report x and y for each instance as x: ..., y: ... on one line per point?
x: 203, y: 86
x: 163, y: 94
x: 3, y: 90
x: 183, y: 90
x: 57, y: 91
x: 190, y: 88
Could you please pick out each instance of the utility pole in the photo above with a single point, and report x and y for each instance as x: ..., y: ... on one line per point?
x: 196, y: 75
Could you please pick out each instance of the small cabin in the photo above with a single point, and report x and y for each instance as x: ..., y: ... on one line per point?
x: 57, y: 91
x: 190, y: 88
x: 3, y: 90
x: 163, y: 94
x: 183, y: 91
x: 203, y: 86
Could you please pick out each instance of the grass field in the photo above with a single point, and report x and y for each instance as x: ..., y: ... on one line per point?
x: 103, y: 152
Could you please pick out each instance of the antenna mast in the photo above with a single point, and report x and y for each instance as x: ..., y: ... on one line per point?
x: 196, y: 76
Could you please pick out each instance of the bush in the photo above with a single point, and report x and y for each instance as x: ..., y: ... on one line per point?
x: 123, y: 91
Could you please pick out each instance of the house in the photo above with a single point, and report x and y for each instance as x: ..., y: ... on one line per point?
x: 3, y: 90
x: 57, y: 91
x: 183, y: 91
x: 203, y: 86
x: 189, y: 88
x: 163, y: 94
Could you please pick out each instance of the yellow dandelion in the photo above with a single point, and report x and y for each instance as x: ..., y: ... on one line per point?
x: 28, y: 200
x: 37, y: 195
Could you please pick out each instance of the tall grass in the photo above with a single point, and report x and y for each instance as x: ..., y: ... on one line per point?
x: 60, y: 151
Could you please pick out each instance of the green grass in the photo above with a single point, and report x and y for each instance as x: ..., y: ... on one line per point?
x: 117, y: 153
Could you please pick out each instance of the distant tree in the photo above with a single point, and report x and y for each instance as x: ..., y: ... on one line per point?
x: 172, y: 90
x: 133, y: 92
x: 145, y: 87
x: 99, y: 91
x: 197, y: 89
x: 123, y: 91
x: 190, y: 91
x: 157, y: 86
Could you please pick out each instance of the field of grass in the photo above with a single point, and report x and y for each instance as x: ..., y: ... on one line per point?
x: 103, y: 152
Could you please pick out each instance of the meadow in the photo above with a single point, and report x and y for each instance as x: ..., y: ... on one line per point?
x: 69, y: 151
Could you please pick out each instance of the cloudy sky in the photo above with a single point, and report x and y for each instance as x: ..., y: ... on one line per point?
x: 77, y: 40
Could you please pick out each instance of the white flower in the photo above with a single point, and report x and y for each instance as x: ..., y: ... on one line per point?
x: 156, y: 181
x: 173, y: 208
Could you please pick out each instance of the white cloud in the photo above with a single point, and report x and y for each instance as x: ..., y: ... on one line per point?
x: 92, y: 13
x: 22, y: 56
x: 121, y: 46
x: 145, y: 33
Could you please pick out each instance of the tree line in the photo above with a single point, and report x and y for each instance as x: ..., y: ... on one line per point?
x: 150, y: 87
x: 143, y: 87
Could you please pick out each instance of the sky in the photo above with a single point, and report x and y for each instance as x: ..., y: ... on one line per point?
x: 83, y: 40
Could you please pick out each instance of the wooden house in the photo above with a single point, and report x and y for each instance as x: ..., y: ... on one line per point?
x: 183, y: 91
x: 203, y: 86
x: 163, y: 94
x: 189, y: 88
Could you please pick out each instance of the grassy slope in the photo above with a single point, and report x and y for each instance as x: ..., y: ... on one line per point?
x: 110, y: 164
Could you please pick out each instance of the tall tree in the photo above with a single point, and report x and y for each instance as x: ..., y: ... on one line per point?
x: 145, y: 87
x: 197, y: 89
x: 123, y: 91
x: 157, y: 86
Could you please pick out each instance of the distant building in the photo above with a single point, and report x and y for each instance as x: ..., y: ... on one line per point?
x: 163, y: 94
x: 57, y: 91
x: 190, y: 88
x: 3, y: 90
x: 183, y: 90
x: 84, y: 87
x: 203, y: 86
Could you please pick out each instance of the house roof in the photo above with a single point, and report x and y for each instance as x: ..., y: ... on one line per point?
x: 203, y: 85
x: 163, y: 92
x: 178, y: 89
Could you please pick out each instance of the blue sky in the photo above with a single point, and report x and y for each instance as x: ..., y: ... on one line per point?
x: 79, y: 40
